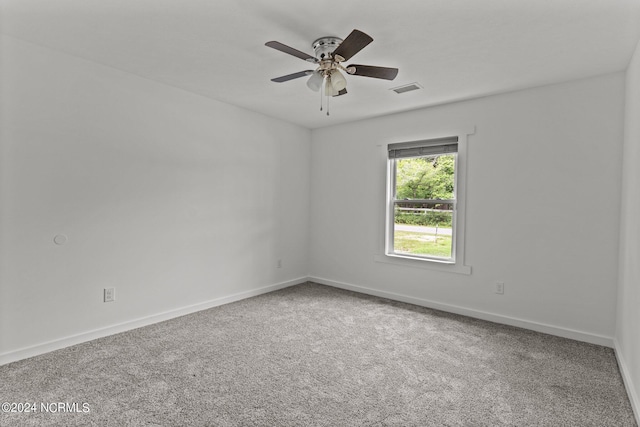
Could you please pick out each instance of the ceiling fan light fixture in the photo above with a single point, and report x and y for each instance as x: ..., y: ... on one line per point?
x: 338, y: 81
x: 315, y: 81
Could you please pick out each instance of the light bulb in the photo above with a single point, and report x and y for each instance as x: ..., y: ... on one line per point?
x: 338, y: 81
x: 329, y: 90
x: 315, y: 81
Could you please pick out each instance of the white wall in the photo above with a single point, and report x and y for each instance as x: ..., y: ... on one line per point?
x: 628, y: 326
x: 169, y: 197
x: 543, y: 196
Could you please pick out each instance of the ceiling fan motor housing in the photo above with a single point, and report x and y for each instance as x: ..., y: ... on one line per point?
x: 324, y: 46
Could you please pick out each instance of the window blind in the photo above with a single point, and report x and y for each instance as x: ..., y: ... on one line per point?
x: 426, y: 147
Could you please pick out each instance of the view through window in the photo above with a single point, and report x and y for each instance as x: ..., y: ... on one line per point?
x: 423, y: 201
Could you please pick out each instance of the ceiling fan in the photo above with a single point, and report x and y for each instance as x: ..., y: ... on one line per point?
x: 330, y: 52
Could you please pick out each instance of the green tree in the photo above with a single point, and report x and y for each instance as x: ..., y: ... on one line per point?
x: 425, y: 177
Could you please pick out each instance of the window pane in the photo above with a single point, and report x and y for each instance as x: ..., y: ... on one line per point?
x: 420, y: 227
x: 426, y: 177
x: 423, y: 229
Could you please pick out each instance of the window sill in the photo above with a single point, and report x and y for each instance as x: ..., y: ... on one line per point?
x: 426, y: 264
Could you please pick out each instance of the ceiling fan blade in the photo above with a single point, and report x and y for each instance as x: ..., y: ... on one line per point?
x: 292, y: 76
x: 353, y: 44
x: 291, y: 51
x: 342, y: 92
x: 375, y: 72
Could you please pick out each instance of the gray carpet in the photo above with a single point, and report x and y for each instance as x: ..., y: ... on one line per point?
x: 312, y: 355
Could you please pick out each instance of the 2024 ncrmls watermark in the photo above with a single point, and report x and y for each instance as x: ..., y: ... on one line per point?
x: 47, y: 407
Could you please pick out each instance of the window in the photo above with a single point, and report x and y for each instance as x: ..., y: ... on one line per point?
x: 425, y: 202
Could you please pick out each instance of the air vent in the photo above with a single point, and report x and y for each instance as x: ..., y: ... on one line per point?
x: 406, y: 88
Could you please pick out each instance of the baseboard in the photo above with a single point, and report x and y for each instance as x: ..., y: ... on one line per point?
x: 477, y: 314
x: 57, y: 344
x: 628, y: 382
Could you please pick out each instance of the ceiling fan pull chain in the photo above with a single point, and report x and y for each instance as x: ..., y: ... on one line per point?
x: 328, y: 104
x: 322, y: 89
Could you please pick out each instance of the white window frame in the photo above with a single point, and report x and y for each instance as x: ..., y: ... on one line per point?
x: 457, y: 263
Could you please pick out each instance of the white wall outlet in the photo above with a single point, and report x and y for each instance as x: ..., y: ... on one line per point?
x: 109, y: 294
x: 499, y: 288
x: 279, y: 264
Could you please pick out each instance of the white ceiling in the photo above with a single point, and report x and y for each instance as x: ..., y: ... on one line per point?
x: 456, y: 49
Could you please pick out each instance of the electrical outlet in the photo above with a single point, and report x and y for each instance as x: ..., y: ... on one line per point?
x: 499, y: 288
x: 109, y: 294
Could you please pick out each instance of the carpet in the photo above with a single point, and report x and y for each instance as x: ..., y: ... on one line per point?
x: 312, y: 355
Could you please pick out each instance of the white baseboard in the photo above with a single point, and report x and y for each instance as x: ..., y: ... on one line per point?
x: 57, y: 344
x: 492, y: 317
x: 628, y: 382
